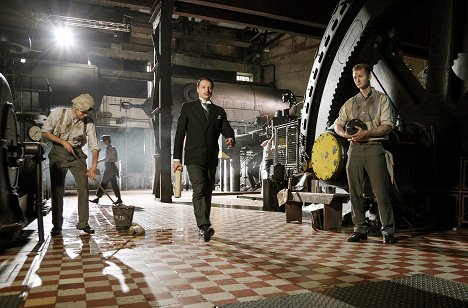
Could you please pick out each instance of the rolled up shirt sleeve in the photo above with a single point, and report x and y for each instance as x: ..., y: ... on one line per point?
x: 92, y: 138
x: 386, y: 112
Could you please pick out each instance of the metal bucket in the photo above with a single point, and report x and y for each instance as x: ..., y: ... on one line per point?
x: 123, y: 216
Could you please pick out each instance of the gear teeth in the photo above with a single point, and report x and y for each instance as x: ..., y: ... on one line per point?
x: 328, y: 54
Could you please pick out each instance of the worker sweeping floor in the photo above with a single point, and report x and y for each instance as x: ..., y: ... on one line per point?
x: 254, y: 255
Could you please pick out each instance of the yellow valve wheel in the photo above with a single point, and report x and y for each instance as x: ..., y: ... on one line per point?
x: 327, y: 156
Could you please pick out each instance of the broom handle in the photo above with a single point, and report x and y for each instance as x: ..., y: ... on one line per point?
x: 99, y: 184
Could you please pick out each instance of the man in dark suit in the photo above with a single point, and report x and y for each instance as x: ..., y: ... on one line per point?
x: 200, y: 123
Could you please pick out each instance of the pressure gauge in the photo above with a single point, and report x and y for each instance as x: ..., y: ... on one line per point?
x: 35, y: 133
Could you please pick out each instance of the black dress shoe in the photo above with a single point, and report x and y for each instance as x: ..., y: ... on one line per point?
x: 87, y: 229
x: 95, y: 200
x: 357, y: 236
x: 56, y: 231
x: 208, y: 233
x: 119, y: 201
x: 202, y: 229
x: 389, y: 239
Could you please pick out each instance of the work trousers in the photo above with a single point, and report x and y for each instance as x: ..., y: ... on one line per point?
x: 110, y: 176
x: 203, y: 180
x: 60, y: 162
x: 369, y: 158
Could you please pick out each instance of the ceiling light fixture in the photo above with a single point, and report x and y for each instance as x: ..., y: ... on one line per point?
x: 64, y: 37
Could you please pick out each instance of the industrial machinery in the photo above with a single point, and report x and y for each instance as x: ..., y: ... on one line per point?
x: 429, y: 144
x: 285, y: 148
x: 19, y: 206
x: 430, y: 140
x: 22, y: 186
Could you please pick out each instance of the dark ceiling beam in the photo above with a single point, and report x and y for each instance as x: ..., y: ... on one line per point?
x: 119, y: 74
x: 248, y: 19
x: 211, y: 39
x: 206, y: 55
x: 121, y: 54
x: 139, y: 6
x: 310, y: 12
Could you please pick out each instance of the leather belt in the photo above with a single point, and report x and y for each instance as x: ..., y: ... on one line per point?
x: 366, y: 142
x: 59, y: 145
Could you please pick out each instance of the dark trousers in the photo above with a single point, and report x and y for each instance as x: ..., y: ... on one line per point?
x: 268, y: 164
x: 203, y: 180
x: 252, y: 173
x: 110, y: 175
x: 371, y: 159
x: 60, y: 162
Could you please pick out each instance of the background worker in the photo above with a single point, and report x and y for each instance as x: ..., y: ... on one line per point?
x: 268, y: 156
x: 111, y: 171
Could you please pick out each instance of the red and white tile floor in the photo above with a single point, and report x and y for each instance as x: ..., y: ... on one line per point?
x: 253, y: 255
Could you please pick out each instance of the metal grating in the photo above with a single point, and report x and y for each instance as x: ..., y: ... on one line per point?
x: 414, y: 291
x: 286, y: 141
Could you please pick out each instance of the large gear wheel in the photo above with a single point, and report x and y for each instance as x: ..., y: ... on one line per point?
x: 369, y: 32
x: 355, y: 30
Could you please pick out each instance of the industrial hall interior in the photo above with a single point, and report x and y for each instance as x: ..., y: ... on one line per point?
x: 234, y: 154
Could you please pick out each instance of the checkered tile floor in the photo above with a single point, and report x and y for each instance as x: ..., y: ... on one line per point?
x: 253, y: 255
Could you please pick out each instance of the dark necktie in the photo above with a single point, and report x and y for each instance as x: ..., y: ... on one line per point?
x: 206, y: 109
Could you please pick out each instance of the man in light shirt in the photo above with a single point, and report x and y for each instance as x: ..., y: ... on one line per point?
x: 69, y: 130
x: 366, y: 155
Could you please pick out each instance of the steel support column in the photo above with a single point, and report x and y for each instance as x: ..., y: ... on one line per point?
x: 440, y: 52
x: 235, y: 169
x: 163, y: 30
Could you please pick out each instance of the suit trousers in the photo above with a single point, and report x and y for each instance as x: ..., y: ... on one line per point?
x: 202, y: 179
x: 371, y: 159
x: 110, y: 175
x: 60, y: 162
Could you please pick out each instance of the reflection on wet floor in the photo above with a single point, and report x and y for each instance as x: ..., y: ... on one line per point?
x: 253, y: 255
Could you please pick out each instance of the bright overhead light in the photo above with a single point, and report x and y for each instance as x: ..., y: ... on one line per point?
x: 64, y: 37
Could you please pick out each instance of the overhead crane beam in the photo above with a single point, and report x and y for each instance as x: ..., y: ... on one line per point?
x: 83, y: 22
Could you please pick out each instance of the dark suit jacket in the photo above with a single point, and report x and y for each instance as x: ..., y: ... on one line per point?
x: 201, y: 144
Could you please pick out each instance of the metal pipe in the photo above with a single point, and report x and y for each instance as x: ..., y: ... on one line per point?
x: 226, y: 175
